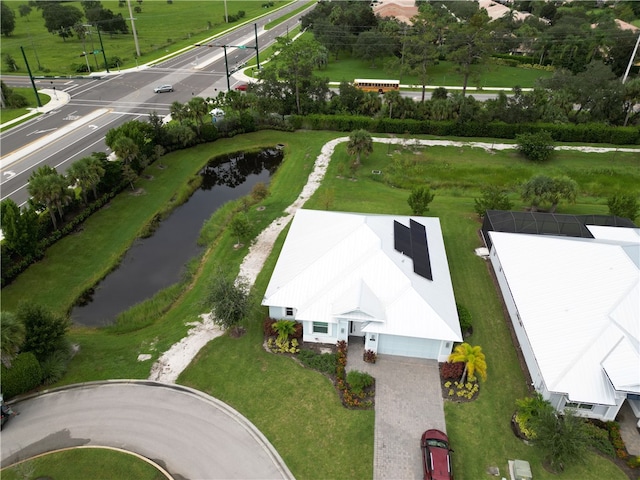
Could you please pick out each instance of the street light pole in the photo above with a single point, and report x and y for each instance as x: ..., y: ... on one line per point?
x: 255, y: 30
x: 226, y: 68
x: 33, y: 84
x: 633, y: 55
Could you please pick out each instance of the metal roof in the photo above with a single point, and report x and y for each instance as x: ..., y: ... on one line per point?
x: 579, y: 302
x: 343, y: 265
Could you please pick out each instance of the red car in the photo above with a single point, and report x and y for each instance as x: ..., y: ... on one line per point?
x: 242, y: 87
x: 436, y: 458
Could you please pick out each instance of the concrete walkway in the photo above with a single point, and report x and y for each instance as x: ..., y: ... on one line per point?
x: 408, y: 402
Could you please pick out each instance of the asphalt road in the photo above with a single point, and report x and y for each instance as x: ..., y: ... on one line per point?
x: 124, y: 96
x: 190, y: 434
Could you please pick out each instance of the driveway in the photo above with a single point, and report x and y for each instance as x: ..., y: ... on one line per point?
x: 190, y: 434
x: 408, y: 402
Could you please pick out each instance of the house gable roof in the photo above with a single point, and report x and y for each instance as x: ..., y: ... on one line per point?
x: 343, y: 265
x: 579, y: 302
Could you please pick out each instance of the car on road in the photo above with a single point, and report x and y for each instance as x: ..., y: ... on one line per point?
x: 436, y: 455
x: 242, y: 87
x: 163, y: 88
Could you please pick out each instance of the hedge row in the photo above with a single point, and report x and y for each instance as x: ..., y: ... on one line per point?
x: 583, y: 133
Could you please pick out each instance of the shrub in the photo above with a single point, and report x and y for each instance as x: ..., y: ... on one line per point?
x: 452, y: 370
x: 358, y: 381
x: 370, y: 356
x: 465, y: 319
x: 537, y: 147
x: 24, y: 375
x: 527, y: 409
x: 419, y: 200
x: 54, y: 367
x: 259, y: 191
x: 492, y: 198
x: 633, y: 462
x: 625, y: 206
x: 322, y: 362
x: 267, y: 327
x: 599, y: 439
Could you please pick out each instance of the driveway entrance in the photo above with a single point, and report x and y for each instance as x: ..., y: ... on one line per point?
x: 408, y: 402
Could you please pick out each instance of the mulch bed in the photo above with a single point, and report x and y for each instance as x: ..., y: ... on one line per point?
x: 454, y: 397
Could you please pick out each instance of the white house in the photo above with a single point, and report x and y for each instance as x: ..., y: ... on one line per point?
x: 382, y: 278
x: 575, y: 306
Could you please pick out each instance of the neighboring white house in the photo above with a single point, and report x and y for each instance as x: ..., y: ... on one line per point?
x: 342, y: 276
x: 575, y: 306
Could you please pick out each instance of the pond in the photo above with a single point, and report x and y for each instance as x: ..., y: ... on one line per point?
x: 157, y: 262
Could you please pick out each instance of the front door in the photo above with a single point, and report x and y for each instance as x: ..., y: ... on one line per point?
x: 355, y: 329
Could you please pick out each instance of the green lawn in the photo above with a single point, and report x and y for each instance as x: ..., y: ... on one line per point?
x: 84, y: 463
x: 297, y: 409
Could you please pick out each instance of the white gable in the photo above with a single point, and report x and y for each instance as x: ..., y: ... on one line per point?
x: 343, y: 265
x: 578, y: 300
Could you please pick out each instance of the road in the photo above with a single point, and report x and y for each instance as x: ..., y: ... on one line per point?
x: 119, y: 97
x: 188, y: 433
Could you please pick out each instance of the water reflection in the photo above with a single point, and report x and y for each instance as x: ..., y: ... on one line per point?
x: 157, y: 262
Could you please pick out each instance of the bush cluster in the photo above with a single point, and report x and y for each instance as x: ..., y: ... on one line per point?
x: 599, y: 438
x: 24, y: 375
x: 322, y: 362
x: 616, y: 440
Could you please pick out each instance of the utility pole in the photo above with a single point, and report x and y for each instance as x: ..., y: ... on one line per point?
x: 33, y: 84
x: 226, y: 15
x: 133, y: 28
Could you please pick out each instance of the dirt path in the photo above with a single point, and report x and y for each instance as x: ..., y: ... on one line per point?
x: 172, y: 362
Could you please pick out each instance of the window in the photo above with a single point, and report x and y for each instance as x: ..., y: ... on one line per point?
x: 579, y: 406
x: 289, y: 311
x: 320, y: 327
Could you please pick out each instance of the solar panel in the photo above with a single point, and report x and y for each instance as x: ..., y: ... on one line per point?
x: 401, y: 238
x: 420, y: 250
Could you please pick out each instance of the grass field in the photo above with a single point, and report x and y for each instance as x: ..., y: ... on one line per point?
x: 84, y: 463
x: 315, y: 435
x: 443, y: 74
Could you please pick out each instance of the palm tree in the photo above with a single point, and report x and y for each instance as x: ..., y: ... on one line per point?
x: 371, y: 104
x: 86, y: 173
x: 473, y: 359
x: 12, y: 336
x: 50, y: 189
x: 359, y: 143
x: 178, y: 111
x: 392, y: 98
x: 126, y: 149
x: 197, y: 110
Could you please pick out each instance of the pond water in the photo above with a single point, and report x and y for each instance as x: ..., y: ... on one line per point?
x: 157, y: 262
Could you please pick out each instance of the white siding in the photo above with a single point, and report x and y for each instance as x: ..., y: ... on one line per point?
x: 409, y: 346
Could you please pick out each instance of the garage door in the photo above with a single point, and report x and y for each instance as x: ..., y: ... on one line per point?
x: 409, y: 346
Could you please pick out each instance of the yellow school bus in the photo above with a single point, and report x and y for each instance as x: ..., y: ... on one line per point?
x: 380, y: 86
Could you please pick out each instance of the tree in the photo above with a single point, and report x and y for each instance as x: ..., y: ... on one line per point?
x: 392, y: 99
x: 86, y: 173
x: 360, y: 143
x: 229, y: 300
x: 285, y: 328
x: 24, y: 10
x: 7, y: 19
x: 473, y: 358
x: 419, y: 49
x: 12, y: 335
x: 541, y: 189
x: 44, y: 330
x: 126, y: 149
x: 49, y: 189
x: 419, y: 200
x: 20, y: 228
x: 470, y: 44
x: 240, y: 227
x: 537, y: 147
x: 197, y: 111
x: 624, y: 205
x: 372, y: 46
x: 563, y: 438
x: 60, y: 19
x: 492, y: 198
